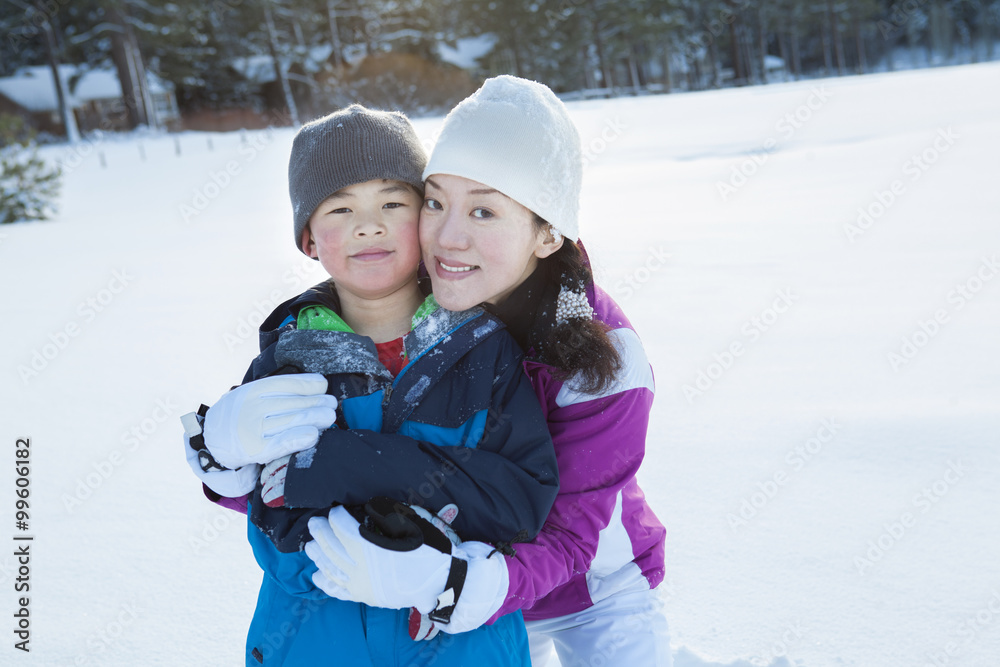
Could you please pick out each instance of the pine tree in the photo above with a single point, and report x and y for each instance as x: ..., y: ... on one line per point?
x: 28, y: 187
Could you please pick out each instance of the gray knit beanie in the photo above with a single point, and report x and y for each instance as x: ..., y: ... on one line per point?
x: 350, y: 146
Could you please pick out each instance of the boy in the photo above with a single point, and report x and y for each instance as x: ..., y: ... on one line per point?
x: 432, y: 407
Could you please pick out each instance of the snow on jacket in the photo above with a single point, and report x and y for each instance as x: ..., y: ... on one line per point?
x: 459, y: 424
x: 601, y: 535
x: 462, y: 385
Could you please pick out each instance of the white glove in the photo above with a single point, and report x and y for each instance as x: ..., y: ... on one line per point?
x: 269, y: 418
x: 486, y: 585
x: 227, y: 483
x: 352, y: 567
x: 372, y: 575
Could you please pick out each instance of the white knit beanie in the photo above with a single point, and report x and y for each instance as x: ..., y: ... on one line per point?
x: 516, y: 136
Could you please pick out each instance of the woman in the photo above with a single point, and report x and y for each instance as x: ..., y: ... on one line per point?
x: 499, y: 227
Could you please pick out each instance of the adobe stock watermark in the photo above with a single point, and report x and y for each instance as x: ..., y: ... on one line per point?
x: 212, y: 529
x: 902, y: 13
x: 715, y: 27
x: 248, y: 325
x: 927, y: 329
x: 218, y: 181
x: 621, y: 467
x: 612, y: 131
x: 131, y: 440
x: 656, y: 259
x: 639, y: 623
x: 740, y: 174
x: 751, y: 330
x: 35, y: 21
x: 792, y: 635
x: 80, y: 151
x: 797, y: 458
x: 913, y: 168
x: 966, y: 630
x: 895, y: 530
x: 88, y: 310
x: 108, y: 637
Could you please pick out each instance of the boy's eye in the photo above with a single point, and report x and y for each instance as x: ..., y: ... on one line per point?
x: 482, y: 213
x: 393, y: 204
x: 433, y: 204
x: 341, y: 210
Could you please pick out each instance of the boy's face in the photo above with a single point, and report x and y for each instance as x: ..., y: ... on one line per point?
x: 365, y: 236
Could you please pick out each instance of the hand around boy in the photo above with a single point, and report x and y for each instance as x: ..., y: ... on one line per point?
x: 269, y: 418
x: 354, y: 565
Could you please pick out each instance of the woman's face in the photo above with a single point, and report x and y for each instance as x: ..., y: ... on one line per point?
x: 478, y: 244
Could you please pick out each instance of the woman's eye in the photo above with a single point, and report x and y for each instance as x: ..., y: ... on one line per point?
x: 482, y: 213
x: 393, y: 204
x: 433, y: 204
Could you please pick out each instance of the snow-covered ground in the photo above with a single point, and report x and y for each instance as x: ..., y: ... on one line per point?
x: 812, y: 267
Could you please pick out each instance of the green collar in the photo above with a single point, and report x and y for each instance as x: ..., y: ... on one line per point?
x: 325, y: 319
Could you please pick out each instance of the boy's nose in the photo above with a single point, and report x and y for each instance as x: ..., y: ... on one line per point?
x: 369, y: 226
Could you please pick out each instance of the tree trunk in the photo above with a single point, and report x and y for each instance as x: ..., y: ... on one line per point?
x: 608, y: 82
x: 148, y: 110
x: 736, y: 53
x: 516, y: 52
x: 279, y: 71
x: 713, y: 64
x: 331, y: 14
x: 761, y: 44
x: 668, y: 76
x: 783, y: 49
x: 838, y: 44
x: 988, y: 36
x: 796, y: 52
x: 859, y: 42
x: 633, y: 69
x: 65, y: 112
x: 911, y: 44
x: 754, y: 75
x: 827, y: 56
x: 124, y: 60
x: 588, y: 69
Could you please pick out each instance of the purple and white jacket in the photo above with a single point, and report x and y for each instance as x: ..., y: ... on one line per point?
x: 601, y: 536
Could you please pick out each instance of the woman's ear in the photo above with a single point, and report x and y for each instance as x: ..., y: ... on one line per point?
x: 548, y: 243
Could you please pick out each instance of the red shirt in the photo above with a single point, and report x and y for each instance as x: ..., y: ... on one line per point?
x: 390, y: 353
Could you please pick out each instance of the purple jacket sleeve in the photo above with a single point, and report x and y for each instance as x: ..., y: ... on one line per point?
x: 237, y: 504
x: 599, y: 445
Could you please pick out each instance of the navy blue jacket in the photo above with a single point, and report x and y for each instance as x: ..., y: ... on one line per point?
x: 459, y: 424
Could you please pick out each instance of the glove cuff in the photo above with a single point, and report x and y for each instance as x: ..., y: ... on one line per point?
x: 194, y: 424
x: 484, y: 590
x: 453, y: 588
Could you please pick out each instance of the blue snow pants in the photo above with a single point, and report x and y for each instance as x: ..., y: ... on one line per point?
x: 296, y: 624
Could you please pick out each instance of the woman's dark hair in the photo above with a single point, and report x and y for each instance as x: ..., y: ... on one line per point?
x: 578, y: 346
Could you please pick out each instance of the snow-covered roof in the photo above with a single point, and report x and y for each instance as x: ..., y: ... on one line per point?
x: 467, y: 50
x: 32, y: 87
x: 260, y: 68
x: 773, y: 62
